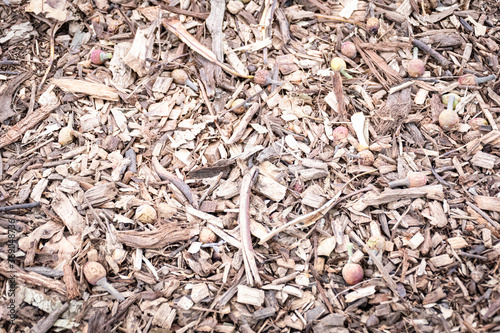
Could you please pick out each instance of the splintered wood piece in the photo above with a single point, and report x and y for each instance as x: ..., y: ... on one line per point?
x: 95, y: 90
x: 264, y: 313
x: 70, y: 282
x: 270, y: 188
x: 396, y: 110
x: 441, y: 260
x: 488, y: 203
x: 434, y: 296
x: 339, y: 95
x: 162, y: 84
x: 378, y: 65
x: 416, y: 240
x: 443, y: 38
x: 158, y: 238
x: 18, y: 130
x: 252, y: 296
x: 293, y: 291
x: 430, y: 191
x: 123, y: 76
x: 457, y: 242
x: 68, y: 213
x: 141, y: 49
x: 437, y: 215
x: 485, y: 160
x: 100, y: 194
x: 7, y: 269
x: 360, y: 293
x: 178, y: 29
x: 242, y: 126
x: 6, y: 92
x: 199, y: 292
x: 336, y: 320
x: 164, y: 316
x: 287, y: 64
x: 214, y: 24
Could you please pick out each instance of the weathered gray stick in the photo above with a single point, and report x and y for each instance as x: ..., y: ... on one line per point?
x: 45, y: 324
x: 436, y: 55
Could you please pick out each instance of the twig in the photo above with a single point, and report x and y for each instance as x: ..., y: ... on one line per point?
x: 20, y: 206
x: 473, y: 256
x: 9, y: 62
x: 31, y: 277
x: 390, y: 282
x: 440, y: 179
x: 53, y: 31
x: 44, y: 325
x: 1, y: 168
x: 314, y: 215
x: 251, y: 270
x: 339, y: 95
x: 242, y: 126
x: 483, y: 297
x: 19, y: 171
x: 210, y: 108
x: 32, y: 98
x: 45, y: 271
x: 175, y: 10
x: 427, y: 49
x: 211, y: 188
x: 483, y: 214
x: 182, y: 186
x: 494, y: 307
x: 321, y: 289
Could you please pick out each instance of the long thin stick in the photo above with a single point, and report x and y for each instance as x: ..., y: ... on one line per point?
x: 484, y: 215
x: 53, y: 31
x: 314, y: 215
x: 251, y: 270
x: 20, y: 206
x: 433, y: 53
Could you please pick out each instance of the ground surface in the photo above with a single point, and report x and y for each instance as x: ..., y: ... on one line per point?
x: 229, y: 202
